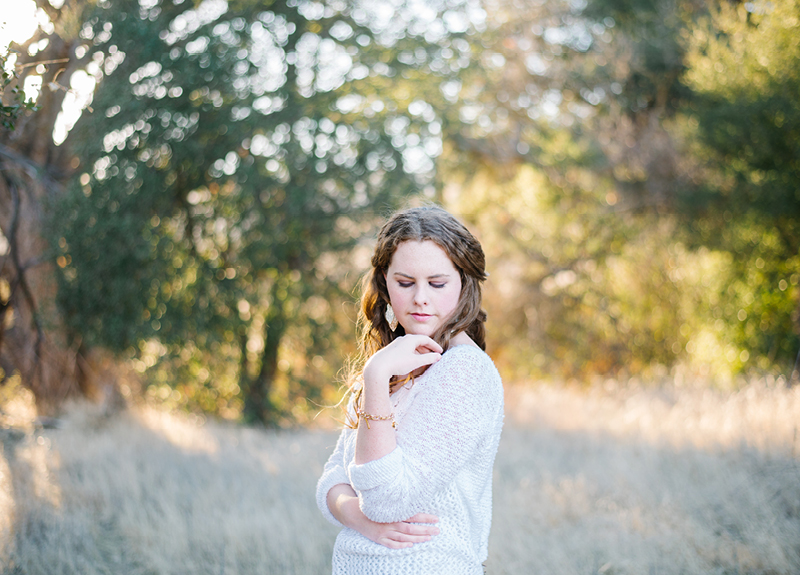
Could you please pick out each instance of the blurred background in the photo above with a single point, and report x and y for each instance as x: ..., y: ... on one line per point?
x: 189, y: 195
x: 190, y: 190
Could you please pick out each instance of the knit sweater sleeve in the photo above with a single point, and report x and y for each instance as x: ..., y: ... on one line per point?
x: 333, y: 474
x: 454, y: 414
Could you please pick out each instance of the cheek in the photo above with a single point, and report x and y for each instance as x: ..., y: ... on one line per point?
x: 450, y: 300
x: 395, y: 295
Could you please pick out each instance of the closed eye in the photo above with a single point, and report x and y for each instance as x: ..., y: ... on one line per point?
x: 405, y: 284
x: 437, y: 285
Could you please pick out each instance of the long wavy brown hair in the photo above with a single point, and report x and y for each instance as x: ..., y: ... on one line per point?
x: 427, y: 223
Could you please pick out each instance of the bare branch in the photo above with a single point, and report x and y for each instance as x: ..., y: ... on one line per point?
x: 42, y: 62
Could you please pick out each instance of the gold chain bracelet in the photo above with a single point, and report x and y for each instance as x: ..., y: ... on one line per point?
x: 368, y: 417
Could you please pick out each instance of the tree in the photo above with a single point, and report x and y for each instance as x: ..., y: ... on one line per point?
x: 33, y: 343
x: 744, y: 68
x: 235, y: 154
x: 576, y: 169
x: 566, y: 168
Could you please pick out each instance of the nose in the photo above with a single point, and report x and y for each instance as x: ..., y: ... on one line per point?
x: 421, y: 296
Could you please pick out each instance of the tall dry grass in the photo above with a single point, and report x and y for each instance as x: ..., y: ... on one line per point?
x: 606, y: 480
x: 649, y: 481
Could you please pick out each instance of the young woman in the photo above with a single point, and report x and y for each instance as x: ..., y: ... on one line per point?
x: 410, y: 479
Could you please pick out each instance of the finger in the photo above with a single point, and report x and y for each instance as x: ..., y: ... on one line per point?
x: 429, y: 343
x: 413, y: 530
x: 405, y: 538
x: 426, y: 359
x: 424, y: 349
x: 422, y: 518
x: 422, y: 538
x: 421, y: 341
x: 419, y: 532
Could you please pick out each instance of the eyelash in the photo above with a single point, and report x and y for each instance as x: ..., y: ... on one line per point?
x: 409, y: 284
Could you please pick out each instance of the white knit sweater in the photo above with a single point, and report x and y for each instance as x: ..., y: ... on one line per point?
x: 449, y: 425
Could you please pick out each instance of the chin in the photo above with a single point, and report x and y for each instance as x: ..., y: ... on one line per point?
x: 421, y: 330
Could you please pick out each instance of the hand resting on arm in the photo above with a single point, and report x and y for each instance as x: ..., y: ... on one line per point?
x: 343, y: 503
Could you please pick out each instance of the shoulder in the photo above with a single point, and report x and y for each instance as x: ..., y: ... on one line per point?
x: 468, y: 354
x: 467, y: 380
x: 470, y: 363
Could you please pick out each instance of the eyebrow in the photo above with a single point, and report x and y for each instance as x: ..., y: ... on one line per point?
x: 435, y: 276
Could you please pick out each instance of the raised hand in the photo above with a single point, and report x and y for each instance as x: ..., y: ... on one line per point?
x: 402, y: 356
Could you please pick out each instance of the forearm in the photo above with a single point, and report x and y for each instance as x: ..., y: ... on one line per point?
x: 343, y: 504
x: 375, y: 438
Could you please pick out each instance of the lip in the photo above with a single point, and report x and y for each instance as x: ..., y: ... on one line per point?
x: 421, y: 317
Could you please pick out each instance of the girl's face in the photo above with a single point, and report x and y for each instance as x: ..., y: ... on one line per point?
x: 424, y: 286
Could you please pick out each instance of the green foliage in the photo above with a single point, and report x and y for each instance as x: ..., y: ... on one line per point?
x: 13, y: 106
x: 744, y: 67
x: 578, y: 289
x: 649, y: 51
x: 744, y: 70
x: 582, y: 279
x: 631, y: 166
x: 232, y: 162
x: 660, y: 223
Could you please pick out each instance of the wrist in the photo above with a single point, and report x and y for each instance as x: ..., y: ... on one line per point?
x: 375, y: 376
x: 367, y: 417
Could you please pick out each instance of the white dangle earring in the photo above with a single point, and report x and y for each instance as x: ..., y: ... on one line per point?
x: 390, y: 317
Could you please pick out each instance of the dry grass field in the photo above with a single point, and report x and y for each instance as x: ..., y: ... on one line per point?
x: 606, y: 480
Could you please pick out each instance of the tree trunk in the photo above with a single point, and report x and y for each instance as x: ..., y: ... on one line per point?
x: 34, y: 344
x: 33, y: 341
x: 257, y: 404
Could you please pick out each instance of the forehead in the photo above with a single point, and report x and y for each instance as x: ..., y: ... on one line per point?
x: 422, y: 257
